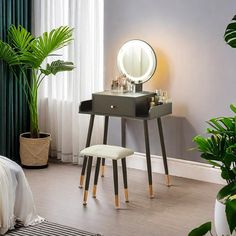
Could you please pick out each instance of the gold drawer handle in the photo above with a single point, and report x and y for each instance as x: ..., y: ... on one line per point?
x: 113, y: 106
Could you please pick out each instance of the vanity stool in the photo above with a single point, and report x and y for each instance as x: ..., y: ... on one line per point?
x: 107, y: 152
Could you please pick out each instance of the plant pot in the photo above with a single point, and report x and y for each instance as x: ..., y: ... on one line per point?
x: 34, y: 151
x: 221, y: 224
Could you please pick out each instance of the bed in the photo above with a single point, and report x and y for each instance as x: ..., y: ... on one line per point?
x: 16, y: 199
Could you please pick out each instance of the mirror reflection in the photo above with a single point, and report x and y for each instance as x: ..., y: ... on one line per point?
x: 137, y: 61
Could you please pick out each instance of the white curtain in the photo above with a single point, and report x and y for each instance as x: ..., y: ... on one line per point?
x: 60, y: 95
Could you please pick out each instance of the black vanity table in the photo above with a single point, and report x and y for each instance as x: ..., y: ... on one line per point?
x: 127, y: 106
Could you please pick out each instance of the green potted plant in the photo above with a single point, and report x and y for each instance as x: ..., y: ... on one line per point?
x: 220, y: 150
x: 25, y: 55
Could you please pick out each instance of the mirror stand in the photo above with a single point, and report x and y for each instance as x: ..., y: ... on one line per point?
x: 138, y: 87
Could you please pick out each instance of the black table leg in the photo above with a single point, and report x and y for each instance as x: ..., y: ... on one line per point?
x: 148, y: 158
x: 89, y: 135
x: 123, y: 132
x: 104, y: 142
x: 163, y: 151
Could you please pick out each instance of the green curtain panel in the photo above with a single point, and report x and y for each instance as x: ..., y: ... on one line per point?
x: 14, y: 115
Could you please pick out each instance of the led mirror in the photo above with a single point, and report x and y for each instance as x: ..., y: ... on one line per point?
x: 137, y: 61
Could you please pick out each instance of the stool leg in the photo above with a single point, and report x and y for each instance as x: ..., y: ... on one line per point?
x: 115, y: 177
x: 106, y: 122
x: 124, y: 170
x: 88, y: 174
x: 83, y: 172
x: 103, y: 167
x: 96, y: 177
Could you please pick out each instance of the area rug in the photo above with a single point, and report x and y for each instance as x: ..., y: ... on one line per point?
x: 48, y: 229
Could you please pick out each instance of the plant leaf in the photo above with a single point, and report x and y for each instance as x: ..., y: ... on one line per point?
x: 231, y: 214
x: 20, y: 39
x: 226, y: 191
x: 8, y: 55
x: 44, y: 45
x: 233, y: 108
x: 201, y: 230
x: 230, y: 33
x: 57, y: 66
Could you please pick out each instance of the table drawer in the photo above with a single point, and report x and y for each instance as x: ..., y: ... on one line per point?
x: 112, y: 105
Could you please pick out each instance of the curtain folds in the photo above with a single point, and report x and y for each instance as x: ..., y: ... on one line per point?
x: 60, y: 95
x: 14, y: 115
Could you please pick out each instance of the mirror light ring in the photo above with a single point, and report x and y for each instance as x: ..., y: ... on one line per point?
x: 151, y: 55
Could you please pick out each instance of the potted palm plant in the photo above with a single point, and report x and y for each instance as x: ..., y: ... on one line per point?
x: 25, y: 55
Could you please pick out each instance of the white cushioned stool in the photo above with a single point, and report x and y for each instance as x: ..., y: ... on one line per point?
x: 108, y: 152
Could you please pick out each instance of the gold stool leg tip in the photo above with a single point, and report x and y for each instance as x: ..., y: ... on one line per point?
x: 126, y: 195
x: 168, y: 180
x: 103, y: 171
x: 85, y: 197
x: 151, y: 194
x: 81, y: 181
x: 117, y: 202
x: 94, y: 191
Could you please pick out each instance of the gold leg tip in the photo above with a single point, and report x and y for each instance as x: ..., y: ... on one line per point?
x: 85, y: 203
x: 168, y: 181
x: 126, y: 195
x: 127, y: 201
x: 81, y: 180
x: 152, y: 196
x: 94, y: 191
x: 117, y: 202
x: 85, y: 197
x: 102, y: 171
x: 80, y: 186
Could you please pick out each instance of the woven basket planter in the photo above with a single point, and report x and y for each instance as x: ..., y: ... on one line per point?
x: 34, y: 151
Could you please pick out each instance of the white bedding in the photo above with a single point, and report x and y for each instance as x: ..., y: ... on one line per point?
x: 16, y: 199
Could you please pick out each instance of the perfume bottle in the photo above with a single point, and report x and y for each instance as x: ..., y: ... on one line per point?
x: 152, y: 102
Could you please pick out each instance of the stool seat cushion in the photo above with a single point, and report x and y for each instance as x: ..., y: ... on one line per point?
x: 107, y: 151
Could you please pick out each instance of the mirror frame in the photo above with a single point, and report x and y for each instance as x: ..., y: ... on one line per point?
x: 151, y: 55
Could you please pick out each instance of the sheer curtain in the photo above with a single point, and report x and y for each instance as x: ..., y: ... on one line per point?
x: 59, y: 96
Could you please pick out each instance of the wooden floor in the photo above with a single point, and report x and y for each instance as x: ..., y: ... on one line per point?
x: 173, y: 212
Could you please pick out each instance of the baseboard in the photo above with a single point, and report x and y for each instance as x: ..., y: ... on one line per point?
x: 178, y: 167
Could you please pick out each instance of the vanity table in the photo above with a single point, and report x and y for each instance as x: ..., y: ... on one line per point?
x: 137, y: 62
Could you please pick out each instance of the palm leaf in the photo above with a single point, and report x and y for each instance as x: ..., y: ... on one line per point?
x: 233, y: 108
x: 44, y: 45
x: 8, y: 55
x: 20, y: 38
x: 57, y: 66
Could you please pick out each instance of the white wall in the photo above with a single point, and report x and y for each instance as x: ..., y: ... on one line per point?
x: 195, y: 65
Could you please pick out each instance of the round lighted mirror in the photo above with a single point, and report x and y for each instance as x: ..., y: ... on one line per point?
x: 137, y: 61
